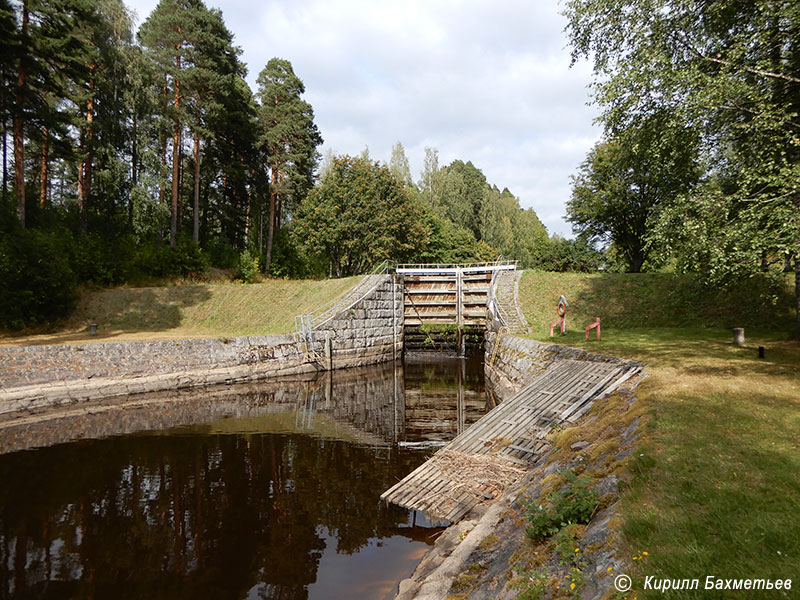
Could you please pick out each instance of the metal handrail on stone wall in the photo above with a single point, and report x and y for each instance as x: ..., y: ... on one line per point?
x: 306, y: 324
x: 495, y: 309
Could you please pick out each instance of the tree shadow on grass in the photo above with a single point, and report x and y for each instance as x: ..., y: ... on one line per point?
x: 121, y: 312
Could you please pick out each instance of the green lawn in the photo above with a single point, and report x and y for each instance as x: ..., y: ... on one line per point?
x: 190, y: 310
x: 717, y: 488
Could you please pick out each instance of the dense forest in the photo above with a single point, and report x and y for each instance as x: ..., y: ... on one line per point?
x: 133, y: 156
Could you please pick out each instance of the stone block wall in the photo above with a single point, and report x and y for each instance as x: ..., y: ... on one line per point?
x: 516, y: 362
x: 368, y: 331
x: 364, y: 331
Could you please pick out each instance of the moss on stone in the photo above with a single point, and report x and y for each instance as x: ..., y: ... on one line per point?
x: 488, y: 542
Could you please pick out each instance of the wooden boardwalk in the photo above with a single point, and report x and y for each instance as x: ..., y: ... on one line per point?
x: 499, y: 448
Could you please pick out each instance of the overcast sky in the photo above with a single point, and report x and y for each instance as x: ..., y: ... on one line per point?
x: 481, y: 80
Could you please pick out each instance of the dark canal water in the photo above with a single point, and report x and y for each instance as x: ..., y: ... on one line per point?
x: 257, y: 491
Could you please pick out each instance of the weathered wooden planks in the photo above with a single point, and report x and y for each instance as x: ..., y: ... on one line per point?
x: 513, y: 432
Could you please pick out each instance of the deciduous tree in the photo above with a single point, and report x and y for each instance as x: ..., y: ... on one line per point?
x: 731, y: 71
x: 359, y: 215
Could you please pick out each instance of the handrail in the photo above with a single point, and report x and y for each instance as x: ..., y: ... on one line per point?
x: 306, y: 324
x: 314, y: 315
x: 434, y: 266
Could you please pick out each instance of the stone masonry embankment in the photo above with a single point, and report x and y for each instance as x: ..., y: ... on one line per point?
x: 487, y: 555
x: 516, y: 362
x: 361, y: 331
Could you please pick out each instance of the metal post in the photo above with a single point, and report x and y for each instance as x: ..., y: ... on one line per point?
x: 394, y: 317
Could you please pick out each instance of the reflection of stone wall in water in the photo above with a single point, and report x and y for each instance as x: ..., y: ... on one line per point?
x: 361, y: 400
x: 377, y: 405
x: 370, y: 398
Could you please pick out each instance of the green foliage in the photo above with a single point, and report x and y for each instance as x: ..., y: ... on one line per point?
x: 564, y: 255
x: 566, y: 543
x: 475, y: 220
x: 532, y: 585
x: 574, y: 502
x: 625, y: 182
x: 358, y: 216
x: 290, y: 136
x: 97, y: 260
x: 38, y: 282
x: 288, y: 260
x: 730, y: 73
x: 221, y: 253
x: 248, y: 267
x: 398, y: 165
x: 448, y: 243
x: 160, y: 261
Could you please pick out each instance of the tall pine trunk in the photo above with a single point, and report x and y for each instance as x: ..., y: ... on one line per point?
x: 176, y: 158
x: 271, y: 223
x: 19, y: 130
x: 134, y: 166
x: 85, y: 166
x: 5, y: 133
x: 196, y: 206
x: 43, y: 172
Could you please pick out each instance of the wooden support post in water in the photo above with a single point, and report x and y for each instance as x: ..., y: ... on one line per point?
x: 328, y: 352
x: 460, y: 312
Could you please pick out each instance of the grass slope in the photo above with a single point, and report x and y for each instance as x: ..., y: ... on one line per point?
x: 714, y: 489
x: 192, y: 310
x: 624, y: 300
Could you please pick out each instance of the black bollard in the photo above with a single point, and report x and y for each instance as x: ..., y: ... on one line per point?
x: 761, y: 352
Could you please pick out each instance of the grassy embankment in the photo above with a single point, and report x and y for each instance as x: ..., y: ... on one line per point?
x: 189, y: 311
x: 716, y: 491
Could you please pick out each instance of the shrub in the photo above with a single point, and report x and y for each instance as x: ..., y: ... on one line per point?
x: 221, y: 253
x: 248, y: 267
x: 38, y: 284
x: 186, y: 258
x: 575, y: 502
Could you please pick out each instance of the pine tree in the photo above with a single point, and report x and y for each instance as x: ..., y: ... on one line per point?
x: 291, y: 138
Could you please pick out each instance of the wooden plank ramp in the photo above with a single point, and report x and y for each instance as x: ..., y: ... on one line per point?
x: 500, y: 448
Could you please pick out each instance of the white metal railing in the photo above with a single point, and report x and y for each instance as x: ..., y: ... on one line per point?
x: 305, y: 325
x: 493, y: 305
x: 497, y: 265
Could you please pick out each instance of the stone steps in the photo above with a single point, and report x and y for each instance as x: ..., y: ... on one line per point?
x: 506, y: 295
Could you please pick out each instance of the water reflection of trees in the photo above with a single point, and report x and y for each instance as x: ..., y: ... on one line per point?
x: 188, y: 516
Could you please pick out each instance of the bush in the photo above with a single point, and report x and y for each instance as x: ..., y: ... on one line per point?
x: 564, y: 255
x: 186, y: 258
x: 38, y: 283
x: 248, y: 267
x: 575, y: 502
x: 100, y: 261
x: 221, y: 253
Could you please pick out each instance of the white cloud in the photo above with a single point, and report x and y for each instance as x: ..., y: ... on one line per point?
x: 482, y: 80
